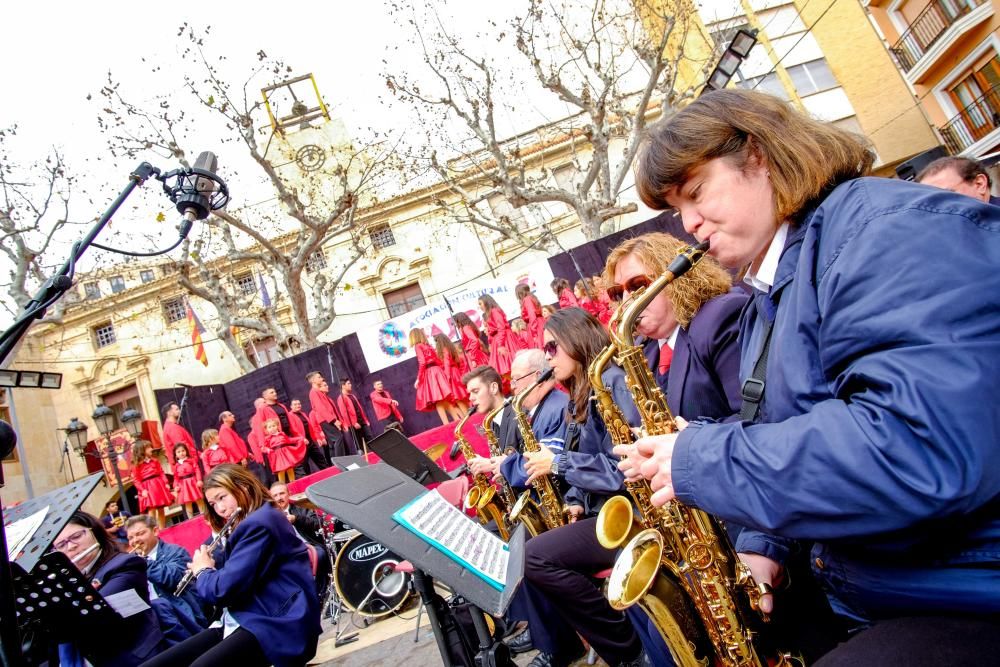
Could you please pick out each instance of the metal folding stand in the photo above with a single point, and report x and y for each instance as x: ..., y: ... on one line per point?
x: 367, y: 499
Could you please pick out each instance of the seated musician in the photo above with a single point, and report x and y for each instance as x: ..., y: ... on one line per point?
x: 875, y: 338
x: 309, y: 528
x: 266, y: 588
x: 561, y: 561
x: 166, y: 563
x: 114, y: 520
x: 546, y: 407
x: 94, y: 552
x: 485, y: 387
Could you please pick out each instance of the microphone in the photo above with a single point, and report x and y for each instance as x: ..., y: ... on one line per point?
x: 199, y: 190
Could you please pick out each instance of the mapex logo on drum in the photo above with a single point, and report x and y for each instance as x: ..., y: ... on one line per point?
x: 366, y: 552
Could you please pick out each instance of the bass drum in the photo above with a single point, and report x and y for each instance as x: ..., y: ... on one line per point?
x: 365, y: 578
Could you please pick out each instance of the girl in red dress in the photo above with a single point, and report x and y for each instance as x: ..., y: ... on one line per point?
x: 531, y: 313
x: 503, y: 342
x: 187, y: 480
x: 432, y: 384
x: 149, y: 479
x: 212, y: 453
x: 454, y: 367
x: 471, y: 343
x: 560, y: 287
x: 604, y: 304
x: 284, y: 453
x: 586, y: 302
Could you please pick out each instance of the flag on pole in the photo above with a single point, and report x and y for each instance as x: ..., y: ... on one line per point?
x: 196, y: 331
x: 265, y: 298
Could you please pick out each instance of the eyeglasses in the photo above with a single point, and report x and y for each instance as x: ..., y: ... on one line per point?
x: 633, y: 284
x: 526, y: 375
x: 550, y: 348
x: 72, y: 537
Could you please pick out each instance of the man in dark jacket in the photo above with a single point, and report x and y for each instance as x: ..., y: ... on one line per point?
x: 309, y: 527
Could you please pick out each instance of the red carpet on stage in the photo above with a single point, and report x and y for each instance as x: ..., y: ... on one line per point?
x: 192, y: 533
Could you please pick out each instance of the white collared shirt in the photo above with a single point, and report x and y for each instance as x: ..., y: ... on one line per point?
x: 670, y: 340
x: 763, y: 278
x: 152, y: 556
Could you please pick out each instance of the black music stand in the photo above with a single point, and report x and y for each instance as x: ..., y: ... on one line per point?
x: 367, y: 498
x: 396, y: 449
x: 344, y: 463
x: 46, y: 586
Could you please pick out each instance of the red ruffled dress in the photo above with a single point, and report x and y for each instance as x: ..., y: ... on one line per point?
x: 215, y: 455
x: 285, y: 452
x: 187, y: 474
x: 606, y: 306
x: 567, y: 299
x: 433, y: 384
x: 503, y: 343
x: 534, y: 323
x: 148, y: 477
x: 455, y: 370
x: 473, y: 348
x: 591, y: 306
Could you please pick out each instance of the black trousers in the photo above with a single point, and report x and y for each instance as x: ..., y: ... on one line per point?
x: 922, y: 641
x: 560, y: 563
x: 335, y: 440
x: 208, y: 648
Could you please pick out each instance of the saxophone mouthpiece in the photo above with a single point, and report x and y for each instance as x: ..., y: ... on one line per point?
x: 688, y: 258
x: 546, y: 376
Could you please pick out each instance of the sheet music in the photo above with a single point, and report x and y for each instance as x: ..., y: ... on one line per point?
x: 127, y: 603
x: 438, y: 522
x: 20, y: 532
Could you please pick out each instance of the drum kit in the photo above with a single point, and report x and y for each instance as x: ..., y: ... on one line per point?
x: 363, y: 578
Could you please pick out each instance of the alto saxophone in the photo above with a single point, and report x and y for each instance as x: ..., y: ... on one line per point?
x: 684, y: 549
x: 482, y: 495
x: 506, y: 493
x: 550, y: 511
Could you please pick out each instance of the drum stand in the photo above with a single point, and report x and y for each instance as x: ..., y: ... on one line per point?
x: 333, y: 605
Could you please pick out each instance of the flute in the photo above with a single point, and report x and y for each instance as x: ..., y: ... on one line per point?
x: 86, y: 552
x: 190, y: 574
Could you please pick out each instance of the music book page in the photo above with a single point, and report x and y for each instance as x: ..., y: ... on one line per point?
x: 441, y: 524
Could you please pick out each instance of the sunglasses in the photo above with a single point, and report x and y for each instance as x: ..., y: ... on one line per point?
x: 72, y: 537
x: 632, y: 285
x: 550, y: 348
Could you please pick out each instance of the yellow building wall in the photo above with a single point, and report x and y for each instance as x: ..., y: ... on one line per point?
x: 885, y: 108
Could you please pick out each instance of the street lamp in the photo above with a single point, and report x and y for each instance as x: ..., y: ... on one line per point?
x: 730, y: 61
x: 132, y: 419
x: 104, y: 418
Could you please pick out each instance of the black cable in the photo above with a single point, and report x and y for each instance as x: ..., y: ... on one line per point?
x: 184, y: 230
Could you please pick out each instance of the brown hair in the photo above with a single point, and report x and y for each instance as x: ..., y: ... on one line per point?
x: 805, y: 157
x: 144, y: 519
x: 524, y: 290
x: 705, y: 281
x: 250, y: 494
x: 488, y: 303
x: 417, y: 335
x: 966, y: 168
x: 139, y: 450
x: 108, y: 545
x: 486, y: 374
x: 444, y: 346
x: 582, y: 337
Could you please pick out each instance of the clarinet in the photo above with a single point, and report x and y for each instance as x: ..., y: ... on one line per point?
x: 190, y: 574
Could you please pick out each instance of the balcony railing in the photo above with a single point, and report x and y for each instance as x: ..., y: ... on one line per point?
x: 973, y: 122
x: 927, y: 28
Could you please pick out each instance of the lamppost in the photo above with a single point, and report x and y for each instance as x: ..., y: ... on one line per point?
x: 104, y: 418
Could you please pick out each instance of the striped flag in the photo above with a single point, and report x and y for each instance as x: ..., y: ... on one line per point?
x: 265, y: 298
x: 196, y: 331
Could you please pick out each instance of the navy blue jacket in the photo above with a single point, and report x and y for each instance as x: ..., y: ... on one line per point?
x: 880, y: 428
x: 704, y: 375
x: 592, y: 468
x: 134, y: 639
x: 268, y: 587
x: 548, y: 423
x: 165, y: 572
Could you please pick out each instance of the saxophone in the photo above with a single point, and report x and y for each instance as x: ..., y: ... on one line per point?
x: 684, y: 549
x: 550, y: 511
x: 482, y: 495
x: 506, y: 493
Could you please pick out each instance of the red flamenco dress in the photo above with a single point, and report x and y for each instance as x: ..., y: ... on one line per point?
x: 534, y: 323
x: 503, y: 342
x: 154, y: 491
x: 473, y: 348
x: 567, y: 299
x: 433, y: 385
x: 455, y: 370
x: 187, y: 474
x: 605, y: 306
x: 214, y: 456
x: 285, y: 452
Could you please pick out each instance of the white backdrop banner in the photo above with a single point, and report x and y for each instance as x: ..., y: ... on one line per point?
x: 388, y: 343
